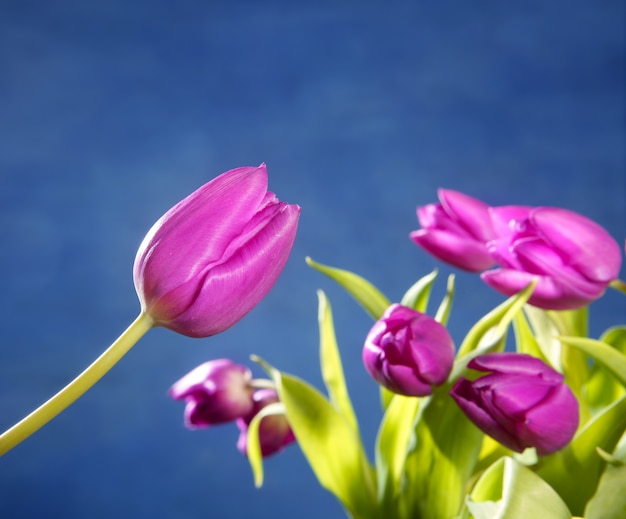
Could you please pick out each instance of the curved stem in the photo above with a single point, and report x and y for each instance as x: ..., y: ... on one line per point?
x: 77, y: 387
x: 618, y: 285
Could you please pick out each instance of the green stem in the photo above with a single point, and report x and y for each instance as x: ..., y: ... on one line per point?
x: 77, y: 387
x: 619, y: 285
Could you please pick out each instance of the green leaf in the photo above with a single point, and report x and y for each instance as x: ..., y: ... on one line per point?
x: 367, y: 295
x: 418, y: 295
x: 609, y: 501
x: 330, y: 445
x: 509, y: 490
x: 392, y: 446
x: 332, y: 369
x: 441, y: 459
x: 574, y: 471
x: 443, y: 312
x: 611, y: 358
x: 253, y: 444
x: 489, y: 333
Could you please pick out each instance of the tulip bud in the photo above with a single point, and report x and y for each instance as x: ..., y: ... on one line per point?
x: 521, y: 403
x: 213, y: 256
x: 274, y: 431
x: 217, y: 391
x: 456, y: 231
x: 408, y: 352
x: 572, y: 258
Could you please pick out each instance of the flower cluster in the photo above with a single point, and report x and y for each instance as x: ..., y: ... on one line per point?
x: 220, y: 391
x: 572, y: 258
x: 477, y: 418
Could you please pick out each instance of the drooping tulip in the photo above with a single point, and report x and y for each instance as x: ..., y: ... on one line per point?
x: 456, y: 230
x: 572, y: 258
x: 521, y: 402
x: 215, y: 392
x: 408, y: 352
x: 274, y: 430
x: 213, y: 256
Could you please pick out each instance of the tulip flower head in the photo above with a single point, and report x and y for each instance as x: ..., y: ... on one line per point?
x: 573, y: 258
x: 521, y: 402
x: 216, y: 392
x: 408, y: 352
x: 456, y: 231
x: 213, y: 256
x: 274, y: 431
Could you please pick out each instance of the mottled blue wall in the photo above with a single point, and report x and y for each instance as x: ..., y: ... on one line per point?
x: 111, y: 111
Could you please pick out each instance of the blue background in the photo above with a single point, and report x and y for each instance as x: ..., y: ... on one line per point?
x: 111, y: 111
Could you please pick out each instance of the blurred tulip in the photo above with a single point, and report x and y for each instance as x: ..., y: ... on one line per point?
x: 408, y: 352
x: 274, y: 431
x: 456, y: 231
x: 573, y: 258
x: 213, y: 256
x: 521, y: 403
x: 217, y: 391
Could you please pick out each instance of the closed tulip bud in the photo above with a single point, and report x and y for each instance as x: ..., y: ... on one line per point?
x: 408, y: 352
x: 456, y: 231
x: 274, y: 431
x: 213, y: 256
x: 572, y: 258
x: 521, y: 402
x: 216, y: 392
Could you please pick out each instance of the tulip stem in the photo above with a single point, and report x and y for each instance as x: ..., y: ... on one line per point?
x: 619, y: 285
x: 77, y: 387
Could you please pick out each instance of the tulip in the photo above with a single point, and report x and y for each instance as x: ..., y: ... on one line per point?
x: 572, y: 258
x: 456, y: 231
x: 213, y: 256
x: 521, y: 403
x: 408, y: 352
x: 217, y: 391
x: 274, y: 431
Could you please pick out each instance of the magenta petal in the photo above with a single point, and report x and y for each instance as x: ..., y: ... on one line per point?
x: 583, y: 243
x: 510, y: 363
x: 456, y: 250
x: 472, y: 214
x: 551, y: 425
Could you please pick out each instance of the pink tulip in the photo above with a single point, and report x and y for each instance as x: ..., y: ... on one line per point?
x: 274, y: 431
x: 213, y: 256
x: 456, y: 231
x: 216, y: 392
x: 408, y: 352
x: 572, y: 258
x: 521, y: 403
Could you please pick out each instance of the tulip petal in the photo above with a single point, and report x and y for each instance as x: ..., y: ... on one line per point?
x: 456, y: 250
x: 171, y: 253
x: 470, y: 213
x: 585, y: 244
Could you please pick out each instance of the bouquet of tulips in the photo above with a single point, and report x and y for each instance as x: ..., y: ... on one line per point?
x: 484, y: 430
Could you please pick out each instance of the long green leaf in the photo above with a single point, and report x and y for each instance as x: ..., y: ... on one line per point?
x: 489, y: 333
x: 253, y: 446
x: 330, y: 445
x: 330, y: 360
x: 441, y: 459
x: 509, y: 490
x: 443, y: 312
x: 418, y: 295
x: 367, y: 295
x: 392, y: 447
x: 611, y: 358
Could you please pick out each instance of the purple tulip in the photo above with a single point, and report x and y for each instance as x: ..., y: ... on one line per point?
x: 274, y: 431
x: 456, y: 231
x: 521, y: 403
x: 213, y: 256
x: 408, y: 352
x: 573, y: 258
x: 217, y: 391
